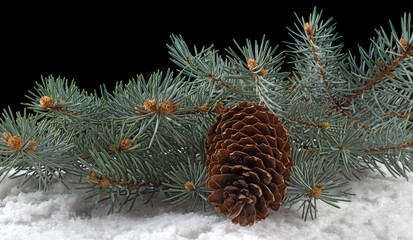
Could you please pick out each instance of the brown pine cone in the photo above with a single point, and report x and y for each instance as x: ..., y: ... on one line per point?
x: 247, y: 156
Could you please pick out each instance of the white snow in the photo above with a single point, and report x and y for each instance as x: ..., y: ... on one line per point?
x: 382, y: 209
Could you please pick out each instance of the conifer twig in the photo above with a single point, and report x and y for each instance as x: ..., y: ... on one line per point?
x: 324, y: 126
x: 355, y: 120
x: 407, y: 51
x: 382, y: 149
x: 309, y: 30
x: 211, y: 76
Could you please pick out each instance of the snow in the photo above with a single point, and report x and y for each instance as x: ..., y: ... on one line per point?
x: 381, y: 209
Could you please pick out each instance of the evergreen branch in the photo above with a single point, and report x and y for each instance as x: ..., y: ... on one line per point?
x: 187, y: 182
x: 179, y: 50
x: 104, y: 182
x: 346, y: 113
x: 309, y: 30
x: 323, y: 126
x: 404, y: 115
x: 260, y: 63
x: 343, y: 145
x: 149, y: 135
x: 35, y: 148
x: 406, y: 52
x: 408, y: 144
x: 210, y: 76
x: 314, y: 179
x: 322, y: 56
x: 400, y: 115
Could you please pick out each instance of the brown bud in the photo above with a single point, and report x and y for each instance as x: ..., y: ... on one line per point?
x: 15, y: 143
x: 33, y: 146
x: 262, y: 73
x: 189, y: 186
x: 325, y: 126
x: 218, y: 107
x: 93, y: 176
x: 252, y: 64
x: 112, y: 147
x: 203, y: 108
x: 6, y: 136
x: 125, y: 144
x: 150, y: 105
x: 104, y: 183
x: 46, y: 102
x: 166, y: 108
x: 308, y: 28
x: 403, y: 43
x: 132, y: 187
x: 316, y: 192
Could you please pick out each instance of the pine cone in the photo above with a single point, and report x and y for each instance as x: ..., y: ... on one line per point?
x: 247, y: 156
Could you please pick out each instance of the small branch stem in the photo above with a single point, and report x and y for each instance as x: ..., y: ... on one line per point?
x: 335, y: 105
x: 324, y: 126
x: 356, y: 121
x: 309, y: 30
x: 382, y: 149
x: 386, y: 71
x: 209, y: 75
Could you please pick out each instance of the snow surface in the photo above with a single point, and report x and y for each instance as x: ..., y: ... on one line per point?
x: 382, y: 209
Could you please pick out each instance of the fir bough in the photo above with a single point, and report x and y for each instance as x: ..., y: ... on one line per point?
x: 344, y: 114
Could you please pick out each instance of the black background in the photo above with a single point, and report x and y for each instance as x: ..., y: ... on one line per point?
x: 104, y: 43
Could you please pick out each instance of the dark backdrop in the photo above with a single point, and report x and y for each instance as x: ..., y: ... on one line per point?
x: 105, y: 43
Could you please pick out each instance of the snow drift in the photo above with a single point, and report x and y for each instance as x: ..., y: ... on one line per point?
x: 381, y: 209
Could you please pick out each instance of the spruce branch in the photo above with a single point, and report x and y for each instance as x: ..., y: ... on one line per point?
x: 32, y: 147
x: 148, y: 135
x: 309, y: 30
x: 406, y: 51
x: 408, y: 144
x: 205, y: 65
x: 186, y: 183
x: 159, y: 103
x: 260, y: 66
x: 404, y: 45
x: 59, y: 98
x: 324, y: 126
x: 314, y: 179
